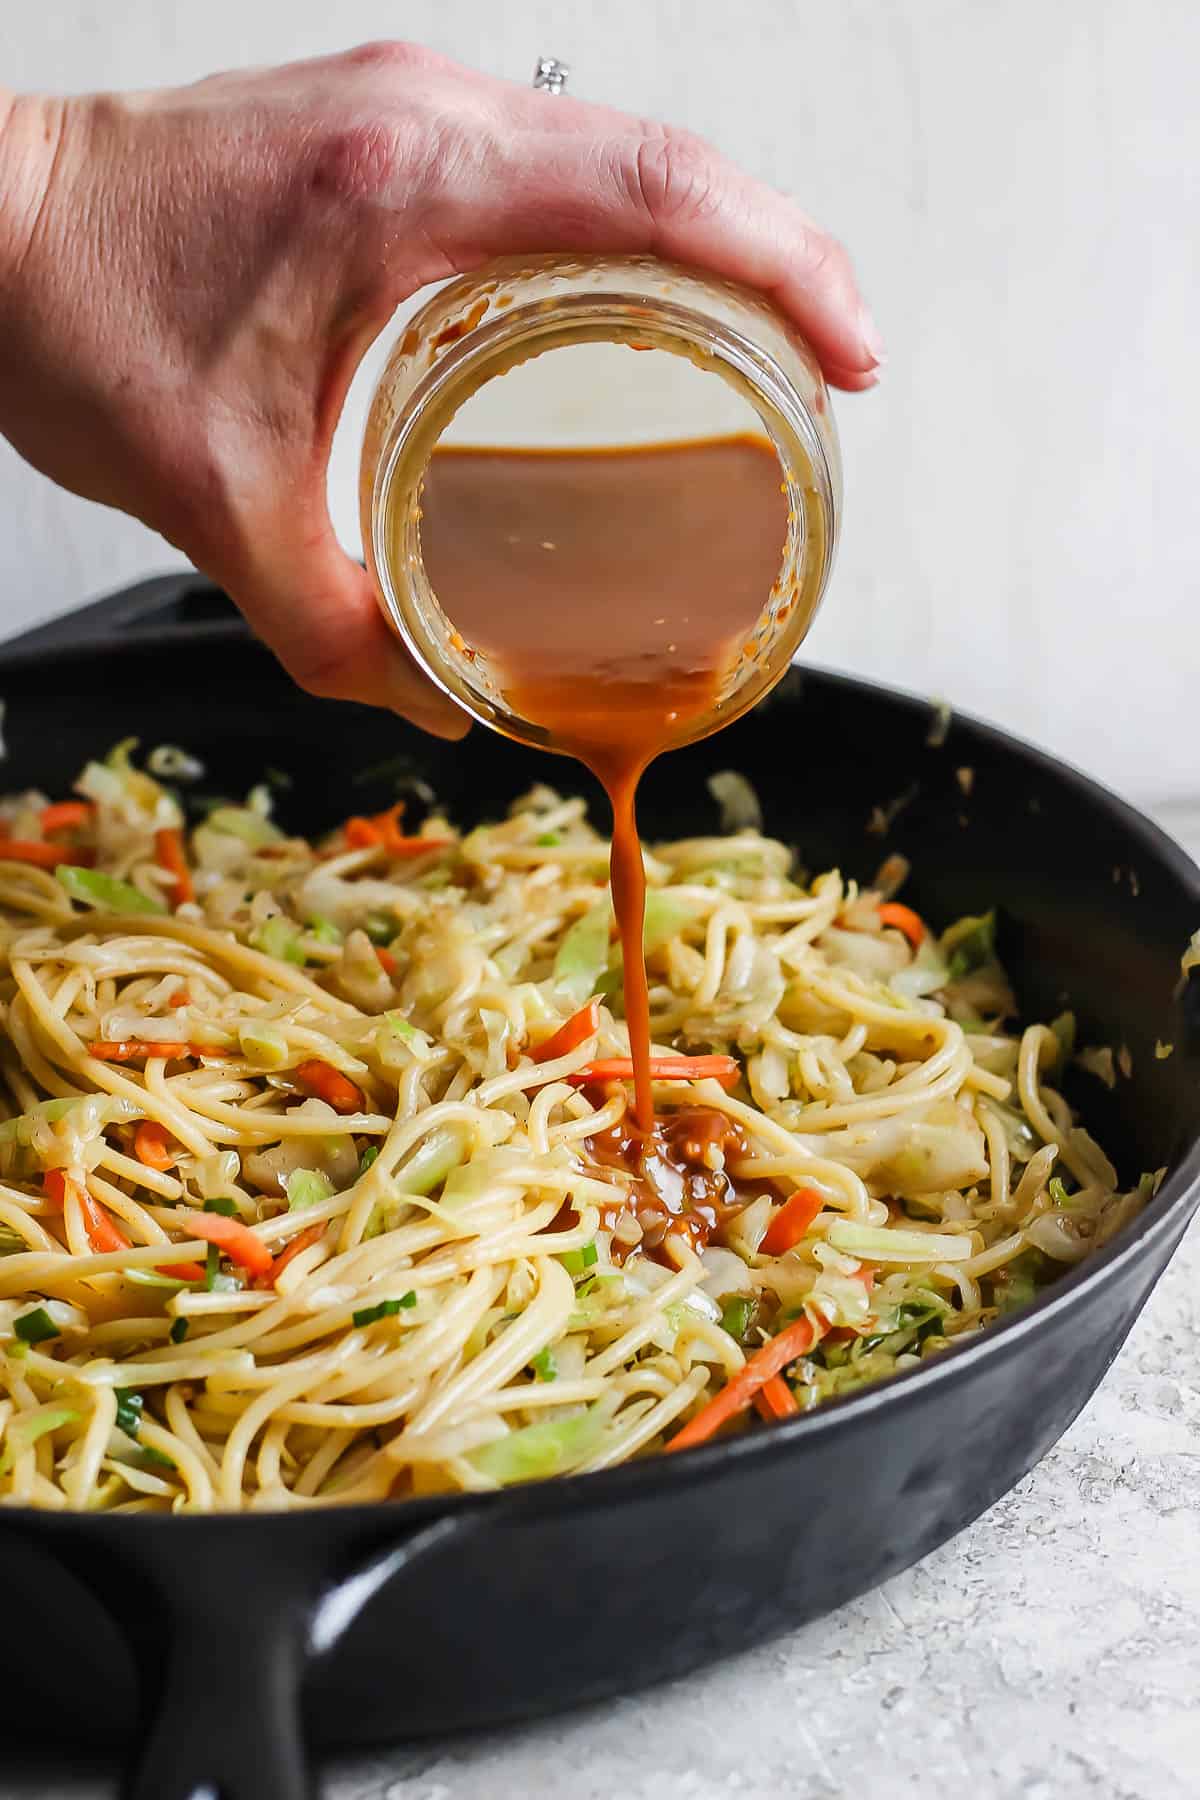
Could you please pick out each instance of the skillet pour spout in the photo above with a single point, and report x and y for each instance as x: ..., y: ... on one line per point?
x: 219, y: 1653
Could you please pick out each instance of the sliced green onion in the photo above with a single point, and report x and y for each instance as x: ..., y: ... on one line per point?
x: 178, y: 1331
x: 548, y: 840
x: 96, y: 889
x: 379, y: 929
x: 736, y: 1314
x: 307, y: 1187
x: 536, y: 1451
x: 543, y: 1365
x: 385, y: 1309
x: 576, y: 1261
x: 129, y: 1411
x: 223, y: 1205
x: 370, y: 1155
x: 212, y: 1268
x: 36, y: 1326
x: 150, y: 1455
x: 324, y: 930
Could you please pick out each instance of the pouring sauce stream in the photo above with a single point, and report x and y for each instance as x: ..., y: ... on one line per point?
x: 612, y: 590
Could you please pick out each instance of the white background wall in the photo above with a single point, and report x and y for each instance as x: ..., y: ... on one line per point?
x: 1019, y: 185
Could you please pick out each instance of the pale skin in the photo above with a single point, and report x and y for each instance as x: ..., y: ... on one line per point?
x: 189, y: 279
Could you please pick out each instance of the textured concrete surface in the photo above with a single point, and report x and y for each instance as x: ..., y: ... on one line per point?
x: 1051, y: 1652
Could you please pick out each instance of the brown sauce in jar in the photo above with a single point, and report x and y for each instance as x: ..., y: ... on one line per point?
x: 613, y: 590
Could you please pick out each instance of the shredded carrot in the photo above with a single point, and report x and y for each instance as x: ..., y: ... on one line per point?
x: 791, y: 1221
x: 180, y: 997
x: 185, y: 1271
x: 775, y: 1399
x: 169, y: 855
x: 904, y: 919
x: 129, y: 1049
x: 384, y: 830
x: 239, y: 1243
x: 150, y: 1146
x: 65, y: 815
x: 312, y: 1235
x: 793, y: 1341
x: 327, y: 1084
x: 103, y: 1234
x: 387, y: 962
x: 44, y: 856
x: 54, y: 1186
x: 360, y: 834
x: 662, y: 1068
x: 577, y: 1029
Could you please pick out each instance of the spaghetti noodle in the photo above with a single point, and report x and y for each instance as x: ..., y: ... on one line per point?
x: 318, y: 1182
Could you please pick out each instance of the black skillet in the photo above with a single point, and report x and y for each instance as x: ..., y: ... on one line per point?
x: 225, y: 1649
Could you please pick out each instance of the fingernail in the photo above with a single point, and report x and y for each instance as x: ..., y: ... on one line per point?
x: 871, y: 337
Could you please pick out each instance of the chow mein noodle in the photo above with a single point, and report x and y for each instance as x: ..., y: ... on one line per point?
x: 318, y: 1180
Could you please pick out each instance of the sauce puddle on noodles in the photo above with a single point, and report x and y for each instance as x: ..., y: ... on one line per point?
x: 612, y: 589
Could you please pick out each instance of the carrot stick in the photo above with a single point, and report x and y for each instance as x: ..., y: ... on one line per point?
x: 904, y: 919
x: 129, y: 1049
x: 316, y: 1077
x: 361, y: 834
x: 791, y: 1222
x: 302, y: 1241
x: 662, y: 1068
x: 775, y: 1399
x: 102, y: 1233
x: 578, y: 1028
x: 44, y: 856
x: 54, y: 1186
x: 65, y: 815
x: 169, y: 855
x: 387, y: 962
x: 239, y: 1243
x: 185, y: 1271
x: 150, y: 1146
x: 384, y: 829
x: 795, y: 1340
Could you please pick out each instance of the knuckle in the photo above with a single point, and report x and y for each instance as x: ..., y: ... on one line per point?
x: 355, y: 162
x: 674, y: 177
x: 390, y: 55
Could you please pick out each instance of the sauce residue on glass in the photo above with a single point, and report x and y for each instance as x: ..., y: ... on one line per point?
x: 613, y: 591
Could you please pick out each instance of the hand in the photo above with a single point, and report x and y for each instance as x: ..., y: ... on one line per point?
x: 189, y: 279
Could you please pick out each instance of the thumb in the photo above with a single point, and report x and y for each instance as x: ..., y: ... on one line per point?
x: 316, y: 609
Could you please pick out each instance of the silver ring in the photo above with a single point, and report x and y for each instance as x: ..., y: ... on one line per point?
x: 550, y: 74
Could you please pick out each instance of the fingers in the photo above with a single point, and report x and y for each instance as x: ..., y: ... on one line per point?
x: 553, y: 174
x: 317, y: 611
x: 685, y: 202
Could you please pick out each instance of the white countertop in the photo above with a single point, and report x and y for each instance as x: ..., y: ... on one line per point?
x: 1049, y: 1652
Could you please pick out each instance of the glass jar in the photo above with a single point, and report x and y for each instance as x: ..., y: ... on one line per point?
x: 485, y: 325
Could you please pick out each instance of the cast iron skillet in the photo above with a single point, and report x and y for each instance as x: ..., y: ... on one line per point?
x: 224, y: 1647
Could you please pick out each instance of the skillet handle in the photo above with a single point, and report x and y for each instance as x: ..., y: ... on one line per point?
x: 224, y: 1635
x: 220, y: 1679
x: 178, y: 609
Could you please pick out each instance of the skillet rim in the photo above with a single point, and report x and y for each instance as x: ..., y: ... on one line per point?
x: 1177, y: 1198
